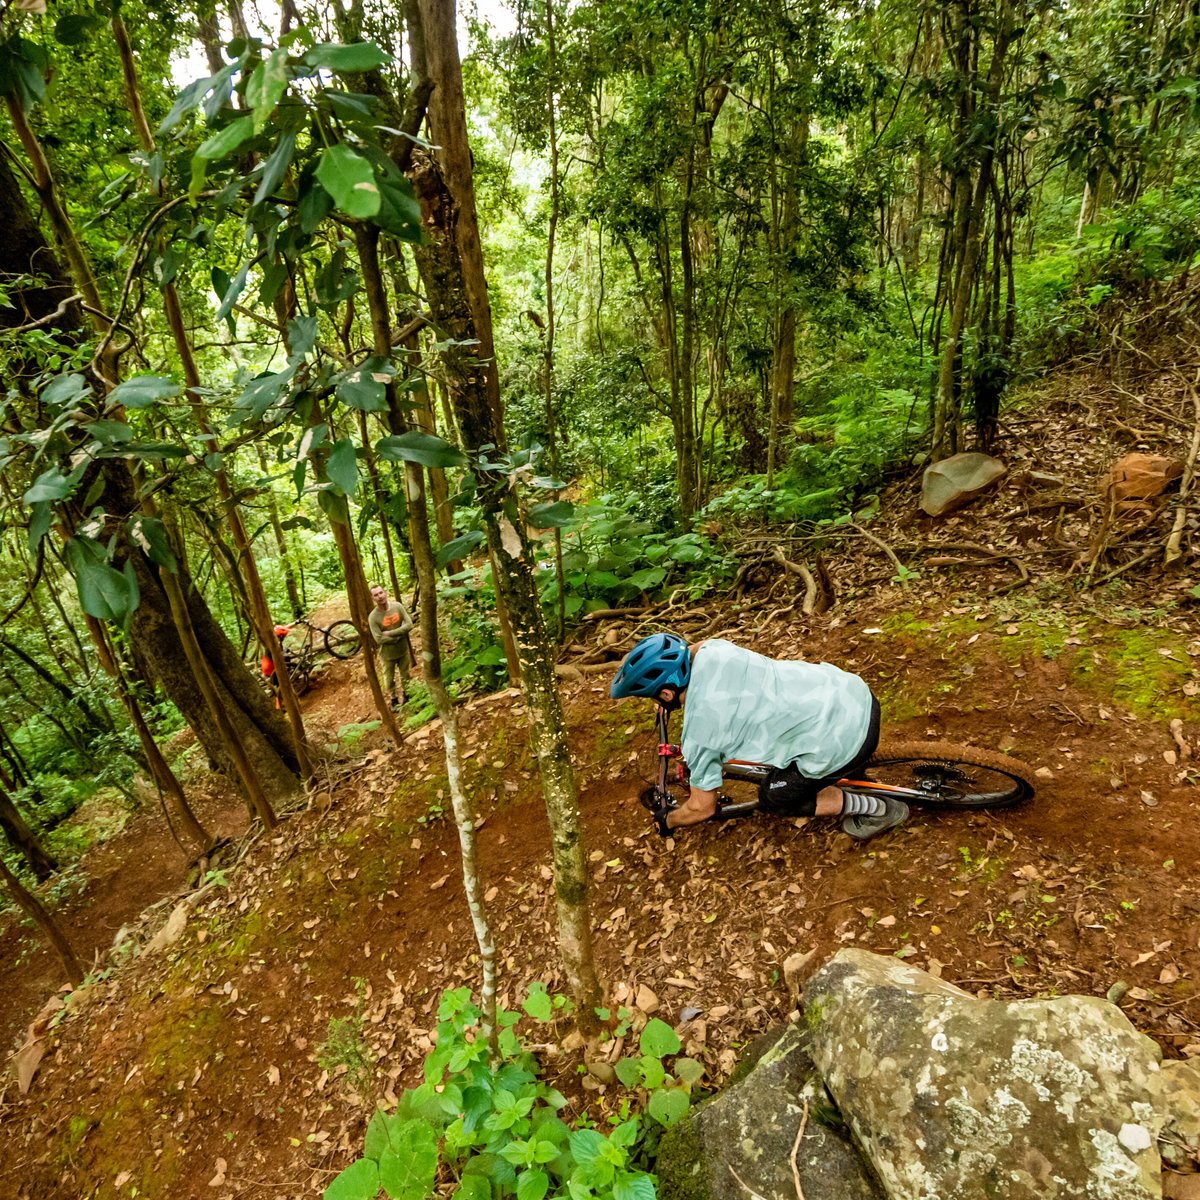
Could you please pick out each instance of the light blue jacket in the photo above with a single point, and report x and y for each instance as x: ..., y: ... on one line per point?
x: 740, y: 704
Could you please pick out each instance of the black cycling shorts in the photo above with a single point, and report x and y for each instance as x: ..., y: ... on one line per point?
x: 787, y: 792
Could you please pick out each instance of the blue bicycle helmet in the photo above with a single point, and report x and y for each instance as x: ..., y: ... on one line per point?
x: 658, y: 661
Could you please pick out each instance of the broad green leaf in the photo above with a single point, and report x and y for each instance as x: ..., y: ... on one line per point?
x: 104, y: 593
x: 191, y: 95
x: 350, y: 180
x: 236, y: 286
x: 23, y: 66
x: 226, y: 140
x: 629, y: 1072
x: 142, y: 391
x: 537, y: 1003
x: 333, y: 505
x: 688, y: 1069
x: 459, y: 547
x: 399, y: 212
x: 275, y: 167
x: 551, y: 516
x: 65, y: 391
x: 633, y: 1185
x: 362, y: 56
x: 667, y: 1105
x: 151, y: 451
x: 687, y: 553
x: 647, y: 578
x: 302, y: 336
x: 472, y: 1187
x: 376, y: 1141
x: 342, y: 468
x: 315, y: 204
x: 361, y: 390
x: 423, y: 448
x: 532, y: 1185
x: 50, y: 485
x: 653, y: 1073
x: 625, y: 1134
x: 408, y: 1167
x: 41, y: 515
x: 658, y: 1038
x: 586, y: 1146
x: 266, y: 86
x: 259, y: 394
x: 359, y: 1181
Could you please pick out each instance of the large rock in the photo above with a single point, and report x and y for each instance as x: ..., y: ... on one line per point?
x: 954, y: 482
x: 1179, y: 1141
x: 739, y: 1145
x: 1138, y: 478
x: 954, y: 1098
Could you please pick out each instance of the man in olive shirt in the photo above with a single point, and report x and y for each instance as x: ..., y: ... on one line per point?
x: 390, y: 623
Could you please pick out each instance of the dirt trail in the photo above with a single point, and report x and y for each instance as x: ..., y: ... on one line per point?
x: 205, y: 1066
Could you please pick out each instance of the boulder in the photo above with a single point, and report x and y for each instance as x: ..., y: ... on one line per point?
x: 1137, y: 477
x: 954, y: 482
x: 1179, y: 1140
x: 964, y: 1099
x: 739, y: 1145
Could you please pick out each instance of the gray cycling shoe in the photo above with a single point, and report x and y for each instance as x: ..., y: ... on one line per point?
x: 864, y: 828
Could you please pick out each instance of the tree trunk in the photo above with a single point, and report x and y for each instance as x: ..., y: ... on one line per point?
x: 40, y: 861
x: 32, y: 907
x: 448, y: 206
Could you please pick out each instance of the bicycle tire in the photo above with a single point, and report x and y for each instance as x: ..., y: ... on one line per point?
x: 342, y: 640
x: 948, y: 775
x: 302, y: 677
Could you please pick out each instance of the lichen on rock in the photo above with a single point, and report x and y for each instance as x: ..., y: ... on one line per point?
x: 968, y: 1098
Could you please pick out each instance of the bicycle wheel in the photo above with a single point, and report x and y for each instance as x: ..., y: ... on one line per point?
x: 947, y: 775
x: 342, y: 640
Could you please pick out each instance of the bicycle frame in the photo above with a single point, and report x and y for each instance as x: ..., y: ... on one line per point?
x: 745, y: 771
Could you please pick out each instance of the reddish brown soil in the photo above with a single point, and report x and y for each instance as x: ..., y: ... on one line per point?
x: 197, y: 1073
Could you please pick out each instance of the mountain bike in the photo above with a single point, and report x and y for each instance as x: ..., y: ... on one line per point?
x: 339, y: 640
x: 937, y: 775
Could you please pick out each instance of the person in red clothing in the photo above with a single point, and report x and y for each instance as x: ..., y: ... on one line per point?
x: 268, y: 665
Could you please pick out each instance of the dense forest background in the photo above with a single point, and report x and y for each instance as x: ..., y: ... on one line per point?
x: 524, y: 339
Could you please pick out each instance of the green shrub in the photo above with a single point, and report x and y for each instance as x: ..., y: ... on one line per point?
x: 498, y: 1129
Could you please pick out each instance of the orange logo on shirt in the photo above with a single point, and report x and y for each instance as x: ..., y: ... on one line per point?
x: 390, y: 619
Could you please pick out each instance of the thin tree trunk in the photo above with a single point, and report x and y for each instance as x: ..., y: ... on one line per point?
x: 448, y: 204
x: 41, y: 862
x: 32, y: 907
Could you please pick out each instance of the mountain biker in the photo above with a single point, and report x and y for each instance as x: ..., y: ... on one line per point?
x: 812, y: 722
x: 389, y: 624
x: 268, y: 664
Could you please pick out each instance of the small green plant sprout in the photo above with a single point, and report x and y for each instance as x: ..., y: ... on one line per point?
x: 345, y: 1046
x: 669, y: 1095
x: 489, y: 1129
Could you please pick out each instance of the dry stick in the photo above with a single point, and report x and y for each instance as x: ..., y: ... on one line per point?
x: 901, y: 569
x: 806, y: 576
x: 796, y: 1150
x: 1173, y: 552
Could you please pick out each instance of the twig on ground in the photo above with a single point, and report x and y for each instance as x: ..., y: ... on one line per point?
x: 1173, y: 552
x: 901, y: 570
x: 796, y: 1150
